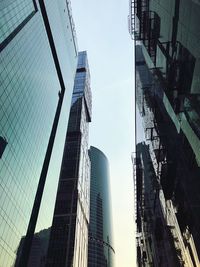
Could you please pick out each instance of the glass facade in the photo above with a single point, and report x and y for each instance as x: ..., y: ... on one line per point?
x: 154, y: 247
x: 69, y: 232
x: 13, y: 15
x: 29, y: 95
x: 170, y: 34
x: 167, y: 97
x: 173, y: 163
x: 100, y: 246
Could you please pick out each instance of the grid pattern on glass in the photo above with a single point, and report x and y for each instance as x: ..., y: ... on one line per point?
x: 12, y: 14
x: 100, y: 250
x: 62, y: 35
x: 28, y: 99
x: 71, y: 203
x: 68, y: 245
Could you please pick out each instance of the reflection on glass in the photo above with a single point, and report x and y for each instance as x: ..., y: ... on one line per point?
x: 100, y: 247
x: 69, y: 234
x: 38, y: 250
x: 28, y: 100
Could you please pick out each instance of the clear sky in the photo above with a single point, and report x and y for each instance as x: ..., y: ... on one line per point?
x: 102, y: 30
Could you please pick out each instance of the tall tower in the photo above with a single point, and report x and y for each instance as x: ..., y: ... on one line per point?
x: 38, y: 59
x: 69, y: 232
x: 100, y: 246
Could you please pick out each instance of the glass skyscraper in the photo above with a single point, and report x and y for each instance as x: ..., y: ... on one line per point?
x: 154, y: 246
x: 166, y: 36
x: 100, y: 245
x: 38, y: 58
x: 69, y: 233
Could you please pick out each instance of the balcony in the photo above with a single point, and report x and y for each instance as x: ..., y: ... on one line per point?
x: 137, y: 9
x: 192, y: 112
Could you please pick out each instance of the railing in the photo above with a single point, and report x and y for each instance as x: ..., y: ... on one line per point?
x: 192, y: 112
x: 136, y: 19
x: 177, y: 236
x: 131, y: 18
x: 134, y: 161
x: 69, y: 9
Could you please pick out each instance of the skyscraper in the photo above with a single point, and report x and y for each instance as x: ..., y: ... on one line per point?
x: 100, y: 246
x: 69, y: 232
x: 37, y: 68
x: 167, y: 94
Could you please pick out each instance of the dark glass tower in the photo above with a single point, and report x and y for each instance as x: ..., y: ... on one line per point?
x: 100, y: 246
x: 38, y: 59
x: 166, y: 34
x: 69, y: 232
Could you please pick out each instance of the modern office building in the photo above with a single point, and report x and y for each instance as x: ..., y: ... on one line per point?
x: 100, y: 246
x: 69, y: 234
x: 38, y: 59
x: 166, y: 37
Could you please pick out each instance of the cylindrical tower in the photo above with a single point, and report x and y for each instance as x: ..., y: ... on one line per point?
x: 100, y: 247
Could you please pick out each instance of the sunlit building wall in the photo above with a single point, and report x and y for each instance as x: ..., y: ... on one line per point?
x: 100, y: 246
x: 69, y: 233
x: 32, y: 77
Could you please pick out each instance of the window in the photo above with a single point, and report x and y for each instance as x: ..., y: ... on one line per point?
x: 14, y: 15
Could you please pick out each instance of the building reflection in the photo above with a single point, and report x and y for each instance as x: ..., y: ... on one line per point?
x: 38, y: 249
x: 167, y: 65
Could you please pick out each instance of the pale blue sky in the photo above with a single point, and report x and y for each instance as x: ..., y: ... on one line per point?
x: 102, y: 30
